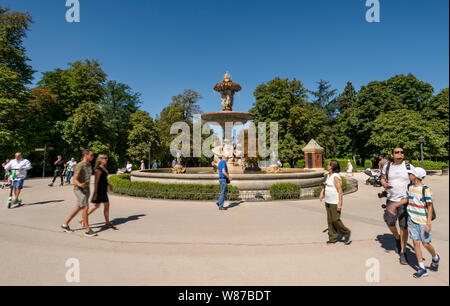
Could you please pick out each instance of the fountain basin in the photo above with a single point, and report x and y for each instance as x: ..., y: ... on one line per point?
x: 252, y: 185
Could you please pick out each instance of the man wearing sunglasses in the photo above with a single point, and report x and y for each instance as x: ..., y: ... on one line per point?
x: 395, y: 180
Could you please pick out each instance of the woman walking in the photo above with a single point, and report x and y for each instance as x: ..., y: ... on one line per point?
x: 101, y: 189
x: 333, y: 195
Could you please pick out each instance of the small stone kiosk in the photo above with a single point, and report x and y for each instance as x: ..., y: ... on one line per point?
x: 313, y: 155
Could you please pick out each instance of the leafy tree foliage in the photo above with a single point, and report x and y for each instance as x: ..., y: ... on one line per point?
x: 142, y: 131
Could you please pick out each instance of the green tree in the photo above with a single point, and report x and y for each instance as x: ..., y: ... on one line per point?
x: 13, y: 30
x: 85, y: 129
x: 357, y: 122
x: 402, y: 128
x: 118, y: 103
x: 412, y: 92
x: 323, y: 98
x: 181, y: 109
x: 82, y: 82
x: 274, y: 101
x: 142, y: 131
x: 15, y: 74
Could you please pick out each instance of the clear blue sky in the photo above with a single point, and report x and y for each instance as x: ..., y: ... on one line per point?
x: 162, y: 47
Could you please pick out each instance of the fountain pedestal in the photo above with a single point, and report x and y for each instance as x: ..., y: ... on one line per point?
x: 227, y: 89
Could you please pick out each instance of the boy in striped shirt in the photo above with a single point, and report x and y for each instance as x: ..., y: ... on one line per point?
x: 420, y: 211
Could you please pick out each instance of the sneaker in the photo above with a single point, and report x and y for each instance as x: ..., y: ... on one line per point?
x: 222, y: 208
x: 403, y: 259
x: 398, y: 246
x: 15, y: 201
x: 348, y: 239
x: 90, y: 233
x: 50, y: 185
x: 421, y: 273
x: 66, y: 228
x: 435, y: 264
x: 331, y: 242
x: 60, y: 185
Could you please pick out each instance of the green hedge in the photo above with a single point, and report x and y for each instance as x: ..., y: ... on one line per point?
x: 122, y: 184
x: 429, y: 165
x: 286, y: 165
x: 282, y: 191
x: 301, y: 163
x: 368, y: 164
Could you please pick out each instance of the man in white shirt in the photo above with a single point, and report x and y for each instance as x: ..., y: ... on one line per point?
x: 70, y: 168
x: 395, y: 180
x: 20, y: 166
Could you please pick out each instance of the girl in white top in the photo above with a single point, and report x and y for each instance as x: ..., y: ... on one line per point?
x: 333, y: 195
x: 349, y: 168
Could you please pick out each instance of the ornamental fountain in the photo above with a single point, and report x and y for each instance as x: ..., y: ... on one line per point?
x: 252, y: 185
x: 227, y: 89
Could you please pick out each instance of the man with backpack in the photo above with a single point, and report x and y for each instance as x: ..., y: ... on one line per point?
x: 395, y: 180
x: 421, y: 213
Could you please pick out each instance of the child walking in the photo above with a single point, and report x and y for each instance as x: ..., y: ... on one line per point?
x: 420, y: 215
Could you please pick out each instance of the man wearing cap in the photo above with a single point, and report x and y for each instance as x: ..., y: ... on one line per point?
x: 395, y: 180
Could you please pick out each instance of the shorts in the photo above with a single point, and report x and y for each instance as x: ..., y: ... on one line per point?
x: 82, y: 197
x: 417, y: 231
x: 18, y: 183
x: 401, y: 216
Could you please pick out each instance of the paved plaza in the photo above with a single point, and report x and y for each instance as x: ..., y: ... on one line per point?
x: 162, y: 242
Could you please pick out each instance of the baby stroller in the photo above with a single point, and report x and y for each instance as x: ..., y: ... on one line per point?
x: 374, y: 177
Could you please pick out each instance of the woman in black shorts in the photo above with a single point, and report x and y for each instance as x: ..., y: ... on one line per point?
x: 100, y: 194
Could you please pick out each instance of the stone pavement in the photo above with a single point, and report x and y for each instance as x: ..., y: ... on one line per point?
x: 163, y: 242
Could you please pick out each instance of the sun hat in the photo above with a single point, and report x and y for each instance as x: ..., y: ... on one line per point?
x: 418, y: 172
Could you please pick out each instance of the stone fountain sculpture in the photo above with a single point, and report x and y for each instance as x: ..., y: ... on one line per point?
x: 227, y: 89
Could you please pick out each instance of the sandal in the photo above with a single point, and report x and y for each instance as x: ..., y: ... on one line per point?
x: 110, y: 225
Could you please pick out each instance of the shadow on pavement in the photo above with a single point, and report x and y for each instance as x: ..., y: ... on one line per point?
x: 116, y: 221
x: 231, y: 205
x: 387, y: 242
x: 44, y: 202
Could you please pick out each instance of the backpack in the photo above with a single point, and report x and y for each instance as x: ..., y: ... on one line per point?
x: 424, y: 188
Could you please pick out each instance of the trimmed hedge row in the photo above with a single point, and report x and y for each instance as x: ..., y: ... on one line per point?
x: 283, y: 191
x: 430, y: 165
x: 122, y: 184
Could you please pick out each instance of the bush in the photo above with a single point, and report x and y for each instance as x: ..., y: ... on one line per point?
x: 286, y: 165
x: 301, y: 163
x: 429, y: 165
x: 283, y: 191
x: 368, y: 164
x: 317, y: 191
x: 122, y: 184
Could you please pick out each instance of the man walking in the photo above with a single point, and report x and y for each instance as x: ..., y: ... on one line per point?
x: 20, y: 165
x: 70, y: 168
x: 81, y: 180
x: 395, y: 180
x: 59, y: 170
x: 224, y: 179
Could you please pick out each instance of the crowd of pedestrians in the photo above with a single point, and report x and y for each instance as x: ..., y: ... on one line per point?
x: 409, y: 201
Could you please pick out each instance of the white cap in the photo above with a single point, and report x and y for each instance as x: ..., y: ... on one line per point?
x: 418, y: 172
